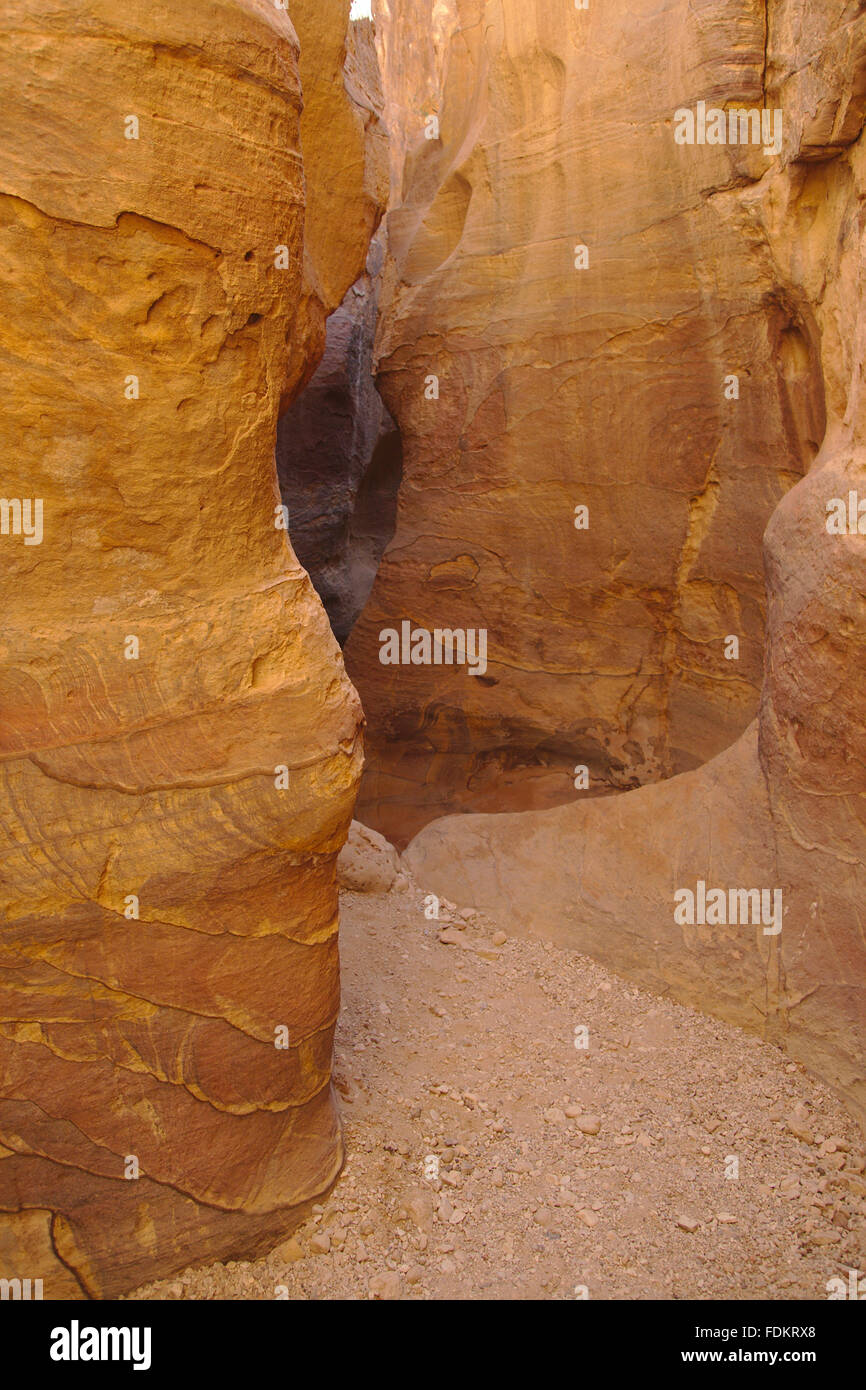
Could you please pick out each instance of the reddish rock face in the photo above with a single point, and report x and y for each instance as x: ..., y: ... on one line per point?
x: 179, y: 743
x: 583, y: 289
x: 783, y: 809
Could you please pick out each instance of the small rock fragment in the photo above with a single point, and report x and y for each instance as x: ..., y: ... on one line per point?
x: 419, y: 1209
x: 554, y: 1116
x: 387, y: 1286
x: 588, y: 1124
x: 449, y: 936
x: 290, y: 1251
x: 800, y: 1129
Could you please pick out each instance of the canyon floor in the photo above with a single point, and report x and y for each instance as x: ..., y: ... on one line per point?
x: 564, y: 1171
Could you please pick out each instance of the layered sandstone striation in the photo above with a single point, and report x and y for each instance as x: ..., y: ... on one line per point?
x: 583, y: 289
x: 785, y: 807
x: 179, y: 743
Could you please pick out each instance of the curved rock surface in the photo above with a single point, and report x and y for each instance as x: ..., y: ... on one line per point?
x: 179, y: 743
x: 784, y: 809
x: 582, y: 288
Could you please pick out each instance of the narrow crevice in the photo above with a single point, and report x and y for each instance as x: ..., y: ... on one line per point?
x: 340, y: 461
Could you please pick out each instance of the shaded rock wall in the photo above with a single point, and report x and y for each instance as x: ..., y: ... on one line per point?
x: 561, y: 387
x: 785, y: 807
x: 179, y: 743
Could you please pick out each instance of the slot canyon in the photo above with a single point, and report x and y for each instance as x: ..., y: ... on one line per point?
x: 432, y: 702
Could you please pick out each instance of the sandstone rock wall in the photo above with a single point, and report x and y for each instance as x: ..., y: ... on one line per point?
x: 785, y: 807
x: 605, y: 387
x: 179, y: 743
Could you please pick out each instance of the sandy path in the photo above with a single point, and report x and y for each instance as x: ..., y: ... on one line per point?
x: 461, y: 1058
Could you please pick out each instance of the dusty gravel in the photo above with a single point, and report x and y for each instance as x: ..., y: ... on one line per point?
x: 564, y: 1171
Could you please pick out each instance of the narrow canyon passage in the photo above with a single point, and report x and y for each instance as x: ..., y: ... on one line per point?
x: 340, y: 460
x: 432, y: 728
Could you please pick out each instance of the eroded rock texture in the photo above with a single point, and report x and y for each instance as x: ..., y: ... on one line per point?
x: 179, y: 744
x: 785, y: 807
x: 561, y: 387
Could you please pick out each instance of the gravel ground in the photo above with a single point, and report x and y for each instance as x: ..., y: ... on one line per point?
x: 521, y: 1123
